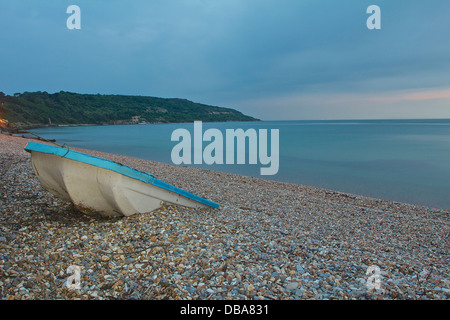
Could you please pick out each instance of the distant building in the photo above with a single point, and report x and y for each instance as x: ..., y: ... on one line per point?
x: 135, y: 119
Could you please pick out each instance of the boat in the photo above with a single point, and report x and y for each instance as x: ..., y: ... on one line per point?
x: 98, y: 185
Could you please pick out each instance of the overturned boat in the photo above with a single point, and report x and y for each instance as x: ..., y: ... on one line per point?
x: 97, y: 185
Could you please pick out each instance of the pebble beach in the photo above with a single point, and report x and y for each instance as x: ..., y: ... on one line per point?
x: 268, y: 240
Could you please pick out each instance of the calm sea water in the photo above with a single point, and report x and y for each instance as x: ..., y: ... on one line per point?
x: 400, y: 160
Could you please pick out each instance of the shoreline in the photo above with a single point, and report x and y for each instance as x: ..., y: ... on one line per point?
x: 329, y: 190
x: 40, y: 126
x: 120, y: 158
x: 415, y: 178
x: 268, y: 240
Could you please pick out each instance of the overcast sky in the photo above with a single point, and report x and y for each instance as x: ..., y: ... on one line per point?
x: 271, y: 59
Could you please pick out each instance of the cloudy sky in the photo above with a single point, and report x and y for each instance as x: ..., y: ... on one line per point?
x: 272, y: 59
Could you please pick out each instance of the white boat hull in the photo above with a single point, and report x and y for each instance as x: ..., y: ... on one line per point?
x: 93, y: 189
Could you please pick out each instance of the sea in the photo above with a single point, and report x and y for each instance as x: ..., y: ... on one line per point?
x: 401, y: 160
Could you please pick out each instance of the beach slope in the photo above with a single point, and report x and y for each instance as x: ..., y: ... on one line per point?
x: 268, y: 240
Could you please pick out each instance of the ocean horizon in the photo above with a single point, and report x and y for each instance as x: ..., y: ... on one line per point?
x: 403, y: 160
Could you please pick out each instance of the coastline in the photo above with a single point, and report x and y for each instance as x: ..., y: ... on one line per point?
x: 268, y: 240
x: 39, y: 126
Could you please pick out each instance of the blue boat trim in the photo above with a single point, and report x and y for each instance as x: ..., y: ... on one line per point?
x: 116, y: 167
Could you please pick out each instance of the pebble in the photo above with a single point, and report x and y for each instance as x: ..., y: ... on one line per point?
x: 292, y: 286
x: 300, y: 269
x: 268, y: 240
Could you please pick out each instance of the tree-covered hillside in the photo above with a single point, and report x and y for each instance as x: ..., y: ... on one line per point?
x: 42, y: 108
